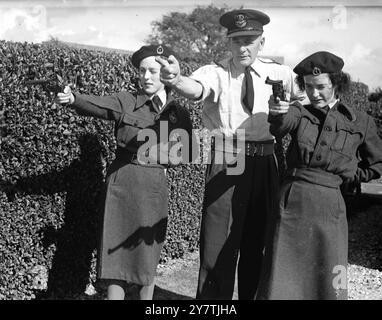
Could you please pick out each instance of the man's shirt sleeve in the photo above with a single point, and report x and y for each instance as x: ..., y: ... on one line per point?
x: 207, y: 76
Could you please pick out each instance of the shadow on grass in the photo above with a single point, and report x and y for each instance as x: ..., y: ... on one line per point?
x: 365, y: 233
x: 163, y: 294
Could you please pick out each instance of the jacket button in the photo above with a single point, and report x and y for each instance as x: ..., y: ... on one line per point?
x: 318, y: 158
x: 327, y: 128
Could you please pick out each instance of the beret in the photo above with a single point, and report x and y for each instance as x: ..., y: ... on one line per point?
x: 148, y: 51
x: 319, y: 62
x: 244, y: 22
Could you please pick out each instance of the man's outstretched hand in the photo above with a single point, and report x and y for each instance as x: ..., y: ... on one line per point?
x: 170, y: 70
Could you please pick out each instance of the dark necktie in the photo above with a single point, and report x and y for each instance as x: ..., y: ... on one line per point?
x: 321, y: 115
x: 323, y: 112
x: 157, y: 102
x: 249, y: 95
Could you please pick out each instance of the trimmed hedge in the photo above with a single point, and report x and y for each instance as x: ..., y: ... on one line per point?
x: 358, y: 99
x: 52, y: 169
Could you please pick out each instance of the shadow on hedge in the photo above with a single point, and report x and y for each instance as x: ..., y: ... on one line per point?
x: 78, y: 236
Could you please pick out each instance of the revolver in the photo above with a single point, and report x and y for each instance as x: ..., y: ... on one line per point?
x: 55, y: 84
x: 277, y: 88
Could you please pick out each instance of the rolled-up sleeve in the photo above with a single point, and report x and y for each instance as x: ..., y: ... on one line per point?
x: 207, y: 76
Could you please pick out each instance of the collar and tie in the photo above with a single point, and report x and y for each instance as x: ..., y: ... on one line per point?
x: 325, y: 109
x: 324, y: 112
x: 249, y: 95
x: 157, y: 101
x: 320, y: 113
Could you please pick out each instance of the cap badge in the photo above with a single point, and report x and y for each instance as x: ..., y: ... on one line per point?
x: 316, y: 71
x: 172, y: 117
x: 240, y: 21
x: 160, y: 50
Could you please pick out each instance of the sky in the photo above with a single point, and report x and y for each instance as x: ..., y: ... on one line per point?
x: 350, y: 29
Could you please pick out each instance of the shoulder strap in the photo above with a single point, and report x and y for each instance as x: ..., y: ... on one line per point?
x: 267, y: 60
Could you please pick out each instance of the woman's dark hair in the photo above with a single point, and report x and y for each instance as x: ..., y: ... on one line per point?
x: 340, y: 80
x: 167, y: 89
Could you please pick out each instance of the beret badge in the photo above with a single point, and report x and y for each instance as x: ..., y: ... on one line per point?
x: 316, y: 71
x: 160, y: 50
x: 240, y: 21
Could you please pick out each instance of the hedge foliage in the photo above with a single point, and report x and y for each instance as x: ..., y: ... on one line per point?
x: 52, y: 168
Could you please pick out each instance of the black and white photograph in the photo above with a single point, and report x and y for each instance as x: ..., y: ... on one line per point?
x: 190, y: 151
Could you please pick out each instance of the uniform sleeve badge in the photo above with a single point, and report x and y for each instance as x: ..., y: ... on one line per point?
x: 172, y: 117
x: 240, y: 21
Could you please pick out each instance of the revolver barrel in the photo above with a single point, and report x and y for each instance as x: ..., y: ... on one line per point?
x: 49, y: 85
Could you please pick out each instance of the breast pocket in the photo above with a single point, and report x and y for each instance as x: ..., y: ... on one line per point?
x: 307, y: 131
x: 136, y: 121
x: 130, y: 125
x: 347, y: 139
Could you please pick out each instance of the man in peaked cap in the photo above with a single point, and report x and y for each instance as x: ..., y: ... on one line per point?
x: 135, y: 197
x: 236, y: 207
x: 244, y: 22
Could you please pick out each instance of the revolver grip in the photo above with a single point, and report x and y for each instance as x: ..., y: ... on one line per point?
x: 277, y: 89
x: 55, y: 87
x: 278, y: 92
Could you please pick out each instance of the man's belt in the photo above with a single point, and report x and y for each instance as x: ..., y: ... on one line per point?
x: 253, y: 148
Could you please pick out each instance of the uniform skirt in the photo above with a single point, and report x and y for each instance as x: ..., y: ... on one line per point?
x: 306, y: 254
x: 133, y: 228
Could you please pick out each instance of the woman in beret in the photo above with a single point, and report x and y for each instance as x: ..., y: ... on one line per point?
x: 136, y: 198
x: 332, y: 144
